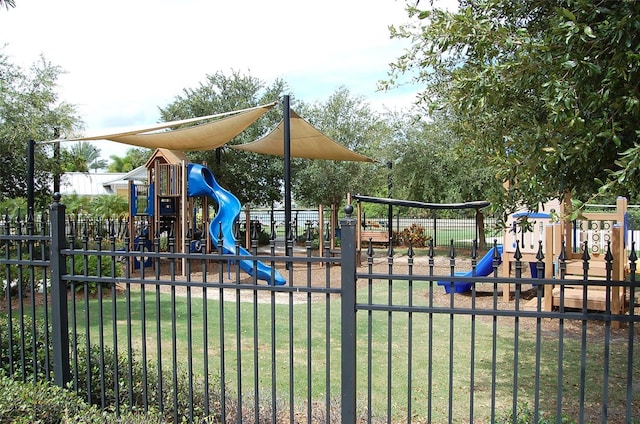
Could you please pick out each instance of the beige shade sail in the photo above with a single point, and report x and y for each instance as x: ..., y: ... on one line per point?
x: 306, y: 142
x: 200, y: 137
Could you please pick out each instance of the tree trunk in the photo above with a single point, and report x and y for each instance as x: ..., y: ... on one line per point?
x: 482, y: 241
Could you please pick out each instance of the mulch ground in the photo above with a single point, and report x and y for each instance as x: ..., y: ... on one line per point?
x: 317, y: 275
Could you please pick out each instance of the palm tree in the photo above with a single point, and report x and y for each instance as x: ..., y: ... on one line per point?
x: 109, y: 205
x: 81, y: 157
x: 8, y: 3
x: 134, y: 158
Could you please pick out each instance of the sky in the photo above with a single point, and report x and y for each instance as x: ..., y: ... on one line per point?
x: 123, y: 60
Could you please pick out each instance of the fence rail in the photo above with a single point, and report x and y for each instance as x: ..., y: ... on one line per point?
x: 390, y: 340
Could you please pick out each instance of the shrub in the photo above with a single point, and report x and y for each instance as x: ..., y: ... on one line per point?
x: 13, y: 276
x: 23, y: 343
x: 45, y: 403
x: 415, y: 234
x: 38, y: 403
x: 92, y: 269
x: 263, y: 237
x: 137, y: 401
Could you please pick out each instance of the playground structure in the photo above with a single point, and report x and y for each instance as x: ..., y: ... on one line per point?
x: 592, y: 232
x: 167, y: 201
x: 533, y: 232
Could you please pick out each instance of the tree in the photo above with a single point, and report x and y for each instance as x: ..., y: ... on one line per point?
x: 109, y: 205
x: 348, y: 120
x: 30, y: 109
x: 7, y: 3
x: 133, y: 158
x: 80, y: 157
x: 254, y: 179
x: 545, y: 90
x: 428, y: 159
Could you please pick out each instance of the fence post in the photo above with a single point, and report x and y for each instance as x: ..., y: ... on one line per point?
x: 348, y: 317
x: 59, y: 312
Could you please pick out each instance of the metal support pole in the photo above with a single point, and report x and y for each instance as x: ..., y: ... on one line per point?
x: 59, y: 311
x: 56, y: 160
x: 286, y: 119
x: 390, y: 215
x: 31, y: 158
x: 348, y: 317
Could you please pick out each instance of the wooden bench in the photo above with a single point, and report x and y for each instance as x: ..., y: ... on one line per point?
x: 379, y: 237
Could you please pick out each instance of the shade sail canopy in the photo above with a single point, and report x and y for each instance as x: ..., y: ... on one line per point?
x: 306, y: 142
x: 200, y: 137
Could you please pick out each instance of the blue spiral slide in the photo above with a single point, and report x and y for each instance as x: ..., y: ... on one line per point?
x: 201, y: 182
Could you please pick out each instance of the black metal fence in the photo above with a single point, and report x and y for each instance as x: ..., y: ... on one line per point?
x: 393, y: 340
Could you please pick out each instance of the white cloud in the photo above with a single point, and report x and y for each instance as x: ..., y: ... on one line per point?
x: 123, y: 60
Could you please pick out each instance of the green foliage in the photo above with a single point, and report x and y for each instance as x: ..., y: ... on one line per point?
x: 88, y: 265
x: 138, y: 367
x: 90, y: 262
x: 432, y: 164
x: 134, y: 158
x: 23, y: 338
x: 264, y: 238
x: 545, y: 90
x: 252, y: 179
x: 44, y: 403
x: 30, y: 109
x: 77, y: 204
x: 109, y: 205
x: 34, y: 407
x: 14, y: 207
x: 24, y: 275
x: 80, y: 157
x: 350, y: 121
x: 415, y: 235
x: 39, y: 403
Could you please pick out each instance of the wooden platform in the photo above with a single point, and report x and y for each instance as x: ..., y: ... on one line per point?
x: 596, y: 298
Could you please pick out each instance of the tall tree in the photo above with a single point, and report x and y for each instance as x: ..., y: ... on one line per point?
x: 428, y: 159
x: 546, y: 90
x: 30, y: 109
x: 254, y: 179
x: 133, y: 158
x: 350, y: 121
x: 7, y: 3
x: 80, y: 157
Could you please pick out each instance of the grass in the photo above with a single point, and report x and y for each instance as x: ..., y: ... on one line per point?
x: 250, y: 352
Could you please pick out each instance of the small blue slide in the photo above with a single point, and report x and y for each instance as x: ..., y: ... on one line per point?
x: 483, y: 268
x: 201, y: 182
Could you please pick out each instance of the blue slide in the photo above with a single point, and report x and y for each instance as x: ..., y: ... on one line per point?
x: 201, y: 182
x: 483, y: 268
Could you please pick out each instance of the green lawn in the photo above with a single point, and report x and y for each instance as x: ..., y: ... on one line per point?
x: 305, y: 339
